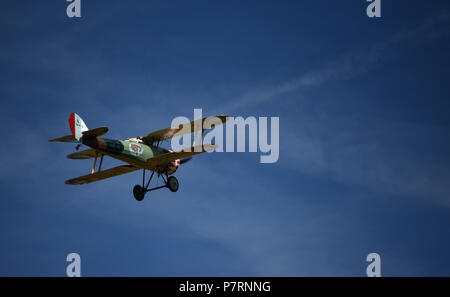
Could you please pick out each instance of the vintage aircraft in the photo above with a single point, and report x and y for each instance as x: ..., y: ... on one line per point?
x: 140, y: 153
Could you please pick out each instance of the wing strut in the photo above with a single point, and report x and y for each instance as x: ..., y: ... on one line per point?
x: 95, y: 162
x: 195, y: 137
x: 101, y: 161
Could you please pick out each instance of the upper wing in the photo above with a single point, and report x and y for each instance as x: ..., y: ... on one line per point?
x: 182, y: 129
x: 172, y: 156
x: 67, y: 138
x: 86, y: 154
x: 89, y: 178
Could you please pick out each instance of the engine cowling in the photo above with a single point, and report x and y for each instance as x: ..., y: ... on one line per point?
x: 172, y: 167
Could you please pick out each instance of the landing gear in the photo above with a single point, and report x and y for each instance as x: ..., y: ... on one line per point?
x: 170, y: 182
x: 138, y: 192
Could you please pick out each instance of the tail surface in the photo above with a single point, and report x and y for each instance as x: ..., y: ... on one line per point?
x: 79, y: 129
x: 77, y: 125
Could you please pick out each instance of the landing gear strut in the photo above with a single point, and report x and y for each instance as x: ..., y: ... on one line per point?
x: 170, y: 182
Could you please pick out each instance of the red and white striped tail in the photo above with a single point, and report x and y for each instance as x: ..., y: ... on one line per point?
x: 77, y: 126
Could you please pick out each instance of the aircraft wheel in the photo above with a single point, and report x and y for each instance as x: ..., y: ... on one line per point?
x: 172, y: 183
x: 138, y: 192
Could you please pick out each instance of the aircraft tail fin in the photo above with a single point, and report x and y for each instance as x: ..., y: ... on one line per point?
x: 79, y: 129
x: 77, y: 126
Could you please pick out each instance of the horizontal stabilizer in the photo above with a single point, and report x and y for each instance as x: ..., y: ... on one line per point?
x: 67, y: 138
x: 87, y: 154
x: 89, y: 178
x: 95, y: 132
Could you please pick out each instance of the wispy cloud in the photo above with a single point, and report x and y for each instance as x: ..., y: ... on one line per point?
x: 342, y: 147
x: 354, y: 62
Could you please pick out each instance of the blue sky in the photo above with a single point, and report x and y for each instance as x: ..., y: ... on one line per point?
x: 363, y: 107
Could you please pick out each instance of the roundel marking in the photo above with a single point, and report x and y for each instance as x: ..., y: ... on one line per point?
x: 135, y: 149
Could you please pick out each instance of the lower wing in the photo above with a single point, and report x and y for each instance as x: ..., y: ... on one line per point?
x: 89, y: 178
x: 151, y: 164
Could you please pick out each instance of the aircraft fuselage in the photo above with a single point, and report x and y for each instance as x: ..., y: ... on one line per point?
x: 129, y: 149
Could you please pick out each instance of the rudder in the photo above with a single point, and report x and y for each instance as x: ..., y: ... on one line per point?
x: 77, y: 125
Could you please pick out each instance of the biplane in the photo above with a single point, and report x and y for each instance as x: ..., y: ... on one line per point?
x: 141, y: 153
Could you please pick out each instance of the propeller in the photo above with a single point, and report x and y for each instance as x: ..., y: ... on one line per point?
x: 182, y: 161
